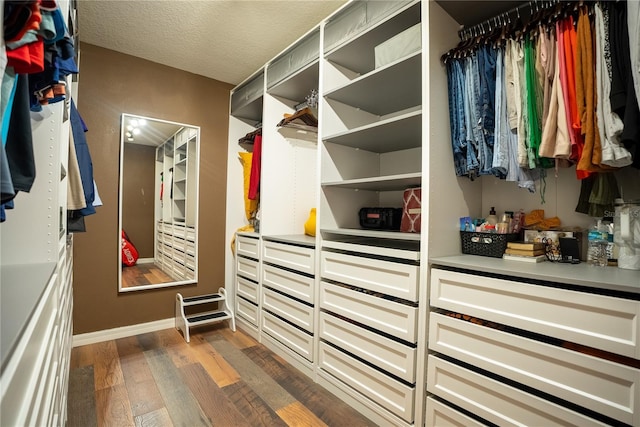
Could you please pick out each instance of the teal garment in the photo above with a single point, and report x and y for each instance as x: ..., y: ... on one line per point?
x: 9, y: 85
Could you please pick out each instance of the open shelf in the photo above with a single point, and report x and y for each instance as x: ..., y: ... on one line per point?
x: 385, y: 90
x: 381, y: 183
x: 392, y: 134
x: 359, y: 232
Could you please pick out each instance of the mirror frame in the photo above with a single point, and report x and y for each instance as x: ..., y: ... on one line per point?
x: 123, y: 118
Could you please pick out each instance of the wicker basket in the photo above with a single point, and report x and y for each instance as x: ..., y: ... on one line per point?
x: 485, y: 244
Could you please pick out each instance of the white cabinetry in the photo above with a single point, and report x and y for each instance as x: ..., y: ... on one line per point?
x: 36, y: 287
x: 176, y: 214
x: 247, y: 282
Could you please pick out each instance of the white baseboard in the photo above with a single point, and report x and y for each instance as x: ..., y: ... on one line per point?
x: 124, y: 331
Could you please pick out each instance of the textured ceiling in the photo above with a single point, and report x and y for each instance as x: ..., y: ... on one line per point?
x: 226, y: 40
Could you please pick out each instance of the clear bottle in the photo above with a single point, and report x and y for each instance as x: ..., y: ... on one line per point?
x: 597, y: 245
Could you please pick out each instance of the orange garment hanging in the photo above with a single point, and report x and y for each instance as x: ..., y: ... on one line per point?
x: 591, y: 153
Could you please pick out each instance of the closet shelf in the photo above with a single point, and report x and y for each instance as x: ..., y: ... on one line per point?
x: 301, y: 132
x: 396, y: 133
x: 296, y: 86
x: 381, y: 183
x: 390, y: 235
x: 357, y: 53
x: 373, y: 92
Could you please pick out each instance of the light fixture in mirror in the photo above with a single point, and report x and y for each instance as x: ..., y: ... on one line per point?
x: 158, y: 203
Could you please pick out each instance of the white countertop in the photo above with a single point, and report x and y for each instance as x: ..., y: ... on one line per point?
x: 608, y: 278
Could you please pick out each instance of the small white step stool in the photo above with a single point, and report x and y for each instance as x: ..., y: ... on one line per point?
x: 184, y: 322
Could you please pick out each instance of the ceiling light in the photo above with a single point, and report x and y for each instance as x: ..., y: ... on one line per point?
x: 128, y: 134
x: 142, y: 122
x: 129, y: 127
x: 136, y: 131
x: 130, y: 139
x: 133, y: 122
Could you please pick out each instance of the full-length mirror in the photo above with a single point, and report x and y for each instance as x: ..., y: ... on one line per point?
x: 158, y: 203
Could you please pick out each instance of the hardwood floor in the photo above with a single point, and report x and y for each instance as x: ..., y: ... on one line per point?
x: 221, y: 378
x: 143, y: 274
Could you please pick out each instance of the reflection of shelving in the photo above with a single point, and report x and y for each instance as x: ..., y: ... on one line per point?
x: 179, y: 205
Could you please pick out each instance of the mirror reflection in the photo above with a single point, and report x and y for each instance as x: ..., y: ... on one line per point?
x: 158, y: 203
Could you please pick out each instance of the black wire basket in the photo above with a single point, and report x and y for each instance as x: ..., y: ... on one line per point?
x: 486, y: 244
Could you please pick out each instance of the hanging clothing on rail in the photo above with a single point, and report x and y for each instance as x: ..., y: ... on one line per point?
x: 609, y: 123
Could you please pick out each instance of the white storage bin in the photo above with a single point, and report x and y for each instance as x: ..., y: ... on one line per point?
x: 399, y: 46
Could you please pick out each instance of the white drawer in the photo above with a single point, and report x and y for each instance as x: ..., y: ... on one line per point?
x: 247, y: 267
x: 391, y: 317
x: 290, y: 283
x: 291, y: 310
x: 248, y: 246
x: 441, y: 415
x: 179, y: 244
x: 179, y: 231
x: 189, y: 274
x: 191, y: 234
x: 190, y: 262
x: 607, y: 323
x: 297, y: 258
x: 247, y: 289
x: 247, y: 310
x: 392, y: 395
x: 604, y: 386
x: 390, y: 278
x: 495, y: 401
x: 389, y: 355
x: 295, y: 339
x: 190, y: 248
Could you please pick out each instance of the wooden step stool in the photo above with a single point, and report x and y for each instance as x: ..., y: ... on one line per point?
x: 184, y: 322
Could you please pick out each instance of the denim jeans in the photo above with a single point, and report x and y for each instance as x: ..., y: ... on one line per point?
x: 456, y: 116
x: 500, y: 163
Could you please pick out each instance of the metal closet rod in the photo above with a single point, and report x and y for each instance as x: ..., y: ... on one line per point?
x: 504, y: 18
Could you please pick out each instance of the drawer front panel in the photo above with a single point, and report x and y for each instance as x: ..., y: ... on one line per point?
x: 606, y: 387
x: 247, y: 289
x: 294, y: 311
x: 385, y: 391
x: 297, y: 258
x: 391, y: 317
x: 599, y: 321
x: 290, y: 283
x: 494, y: 401
x: 179, y: 231
x: 247, y: 311
x: 247, y: 267
x: 248, y: 246
x: 441, y: 415
x: 390, y: 278
x: 293, y: 338
x: 389, y: 355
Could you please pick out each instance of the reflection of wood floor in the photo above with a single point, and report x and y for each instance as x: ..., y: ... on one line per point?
x: 143, y: 274
x: 221, y: 378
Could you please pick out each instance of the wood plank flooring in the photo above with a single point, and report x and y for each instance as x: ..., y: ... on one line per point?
x: 143, y: 274
x: 221, y: 378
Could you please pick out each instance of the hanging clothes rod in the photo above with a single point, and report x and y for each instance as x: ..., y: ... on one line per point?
x: 522, y: 12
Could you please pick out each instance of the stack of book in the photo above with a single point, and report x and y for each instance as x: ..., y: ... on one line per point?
x: 525, y: 251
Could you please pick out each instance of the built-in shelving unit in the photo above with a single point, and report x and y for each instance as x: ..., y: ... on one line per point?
x: 377, y: 317
x: 176, y: 212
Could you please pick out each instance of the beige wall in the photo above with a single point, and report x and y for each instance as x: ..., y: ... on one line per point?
x: 138, y: 196
x: 110, y: 84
